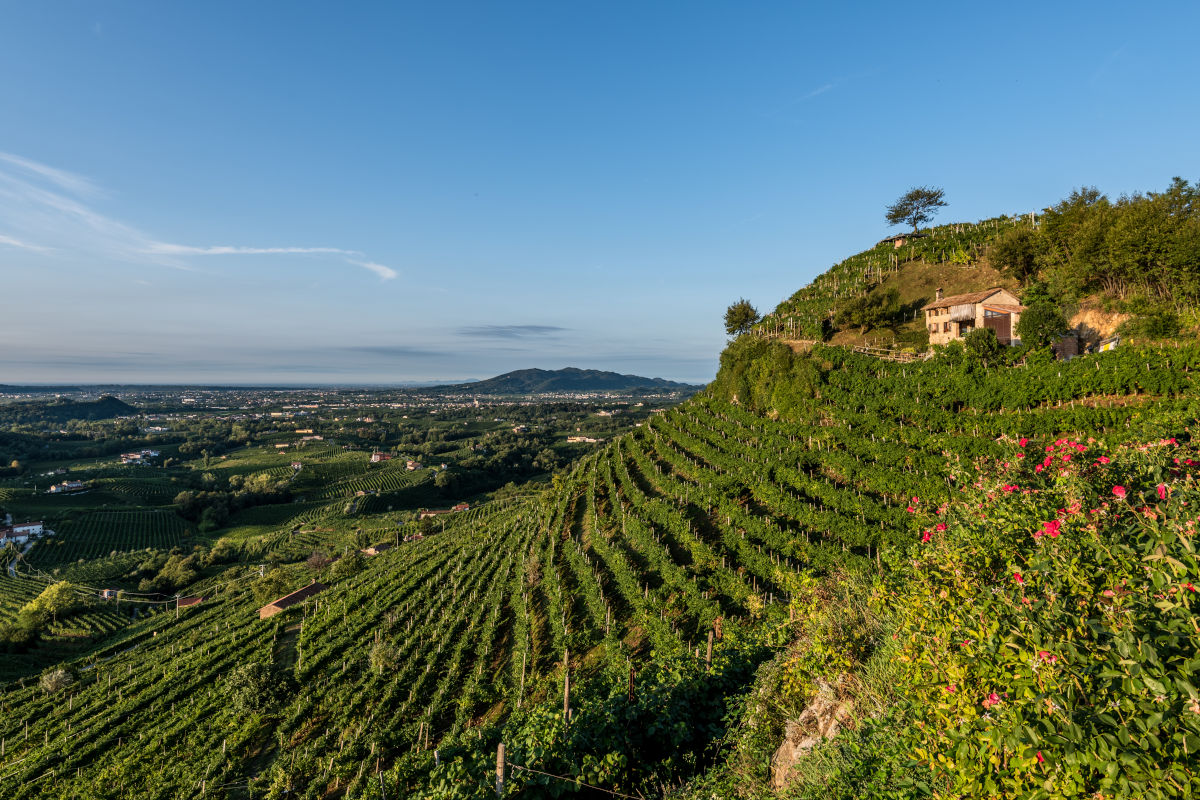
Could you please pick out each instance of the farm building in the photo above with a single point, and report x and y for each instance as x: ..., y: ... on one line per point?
x: 289, y: 600
x: 297, y: 465
x: 953, y: 317
x: 412, y: 466
x: 377, y: 457
x: 188, y: 602
x: 900, y: 239
x: 376, y: 549
x: 437, y: 512
x: 67, y: 486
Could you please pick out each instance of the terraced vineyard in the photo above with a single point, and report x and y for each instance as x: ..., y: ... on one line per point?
x: 705, y: 519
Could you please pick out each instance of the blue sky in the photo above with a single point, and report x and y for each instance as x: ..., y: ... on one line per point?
x: 381, y: 192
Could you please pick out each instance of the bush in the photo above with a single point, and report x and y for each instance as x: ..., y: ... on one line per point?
x: 1041, y: 324
x: 1156, y: 325
x: 254, y: 687
x: 56, y: 680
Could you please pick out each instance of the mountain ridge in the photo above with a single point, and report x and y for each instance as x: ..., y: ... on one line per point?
x: 568, y: 379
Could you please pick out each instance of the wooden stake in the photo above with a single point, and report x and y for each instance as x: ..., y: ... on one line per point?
x: 500, y: 769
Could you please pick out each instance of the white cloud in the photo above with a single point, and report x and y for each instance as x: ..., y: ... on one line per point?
x: 384, y: 272
x: 45, y: 204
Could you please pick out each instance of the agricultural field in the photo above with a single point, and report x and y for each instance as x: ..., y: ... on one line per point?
x: 103, y: 533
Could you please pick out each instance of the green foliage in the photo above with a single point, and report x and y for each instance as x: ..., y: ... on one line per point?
x: 274, y: 584
x: 739, y: 317
x: 1040, y: 324
x: 983, y: 346
x: 877, y: 309
x: 1015, y: 252
x: 916, y: 206
x: 350, y: 564
x: 56, y: 600
x: 1148, y: 243
x: 1163, y: 324
x: 254, y: 687
x: 1048, y: 624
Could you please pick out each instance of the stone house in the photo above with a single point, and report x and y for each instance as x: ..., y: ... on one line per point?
x: 953, y: 317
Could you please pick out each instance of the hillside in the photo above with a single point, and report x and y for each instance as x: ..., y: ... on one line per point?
x: 105, y: 407
x: 1128, y: 266
x: 715, y: 517
x: 825, y: 576
x: 567, y: 380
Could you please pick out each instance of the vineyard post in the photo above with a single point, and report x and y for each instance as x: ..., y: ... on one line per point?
x: 566, y: 685
x: 521, y: 693
x: 500, y: 765
x: 708, y: 654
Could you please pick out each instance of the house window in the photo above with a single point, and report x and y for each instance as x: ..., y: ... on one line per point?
x: 945, y: 327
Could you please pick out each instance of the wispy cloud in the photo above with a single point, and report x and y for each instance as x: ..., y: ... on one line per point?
x: 817, y: 91
x: 11, y: 242
x: 76, y: 184
x: 46, y: 205
x: 384, y: 272
x: 508, y: 331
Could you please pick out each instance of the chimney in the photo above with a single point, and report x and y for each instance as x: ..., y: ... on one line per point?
x: 939, y: 293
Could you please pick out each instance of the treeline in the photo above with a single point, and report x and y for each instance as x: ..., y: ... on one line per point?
x: 211, y: 508
x: 1138, y: 247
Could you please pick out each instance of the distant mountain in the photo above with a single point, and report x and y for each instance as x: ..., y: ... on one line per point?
x: 106, y: 407
x: 570, y: 379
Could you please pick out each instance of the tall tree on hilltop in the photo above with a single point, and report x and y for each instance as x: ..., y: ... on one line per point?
x: 739, y: 317
x: 916, y: 206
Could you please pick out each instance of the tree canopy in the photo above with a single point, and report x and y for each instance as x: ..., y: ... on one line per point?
x: 916, y: 206
x: 1040, y: 324
x: 739, y: 317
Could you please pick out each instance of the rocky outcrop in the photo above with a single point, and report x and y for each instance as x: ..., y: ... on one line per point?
x: 821, y: 720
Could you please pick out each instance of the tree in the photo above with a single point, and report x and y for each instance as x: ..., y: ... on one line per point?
x: 1040, y: 324
x: 916, y: 206
x: 983, y: 345
x: 739, y: 317
x: 275, y: 583
x: 874, y: 310
x: 1016, y: 253
x: 351, y: 563
x: 55, y: 599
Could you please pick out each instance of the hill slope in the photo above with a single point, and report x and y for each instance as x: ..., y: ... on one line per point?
x: 105, y: 407
x: 942, y: 546
x: 569, y: 379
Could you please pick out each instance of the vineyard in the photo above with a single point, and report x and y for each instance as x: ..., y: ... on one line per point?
x: 710, y: 518
x: 101, y: 533
x: 802, y: 315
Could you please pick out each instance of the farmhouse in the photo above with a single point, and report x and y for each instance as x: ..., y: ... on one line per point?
x: 67, y: 486
x: 412, y: 466
x: 376, y: 549
x: 583, y: 440
x: 289, y: 600
x: 20, y: 533
x: 376, y: 457
x: 953, y: 317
